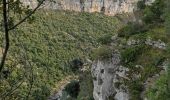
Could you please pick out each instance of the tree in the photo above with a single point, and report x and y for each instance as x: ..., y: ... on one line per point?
x: 14, y: 6
x: 10, y: 9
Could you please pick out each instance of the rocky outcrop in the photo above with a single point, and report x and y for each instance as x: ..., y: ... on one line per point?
x: 108, y: 7
x: 108, y: 78
x: 148, y: 41
x: 158, y: 44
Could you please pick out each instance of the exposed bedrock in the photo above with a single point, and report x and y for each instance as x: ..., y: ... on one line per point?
x: 108, y: 7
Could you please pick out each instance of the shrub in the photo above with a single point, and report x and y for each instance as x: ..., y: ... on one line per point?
x: 102, y: 53
x: 141, y: 5
x: 135, y: 89
x: 86, y: 86
x: 148, y: 15
x: 129, y: 55
x: 154, y: 13
x: 160, y: 90
x: 76, y: 64
x: 131, y: 29
x: 41, y: 93
x: 106, y: 39
x: 73, y: 88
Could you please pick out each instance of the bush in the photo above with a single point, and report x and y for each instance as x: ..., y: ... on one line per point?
x: 160, y: 90
x: 41, y: 93
x: 106, y: 39
x: 135, y: 89
x: 154, y: 13
x: 129, y: 55
x: 131, y: 29
x: 86, y: 86
x: 141, y: 5
x: 73, y: 88
x: 102, y: 53
x: 148, y: 15
x: 76, y: 64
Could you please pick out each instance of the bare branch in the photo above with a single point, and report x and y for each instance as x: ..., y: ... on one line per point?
x: 5, y: 19
x: 25, y: 18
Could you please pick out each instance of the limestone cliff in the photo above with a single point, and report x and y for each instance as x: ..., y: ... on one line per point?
x: 106, y: 74
x: 108, y: 7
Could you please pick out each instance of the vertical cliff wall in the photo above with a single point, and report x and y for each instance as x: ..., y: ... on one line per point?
x: 109, y: 7
x: 106, y: 74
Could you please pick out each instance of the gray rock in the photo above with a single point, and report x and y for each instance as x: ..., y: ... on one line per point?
x: 133, y: 42
x: 107, y: 74
x: 108, y: 7
x: 157, y: 44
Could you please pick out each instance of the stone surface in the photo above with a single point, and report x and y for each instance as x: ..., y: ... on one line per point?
x: 158, y: 44
x: 108, y: 7
x: 133, y: 42
x: 149, y: 41
x: 106, y: 74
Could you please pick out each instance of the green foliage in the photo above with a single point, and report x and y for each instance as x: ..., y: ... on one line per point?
x: 148, y: 15
x: 129, y: 55
x: 44, y: 49
x: 41, y: 93
x: 141, y: 5
x: 102, y: 53
x: 131, y: 29
x: 167, y: 26
x: 148, y: 57
x: 76, y: 64
x: 135, y: 88
x: 160, y: 89
x: 106, y: 39
x: 167, y: 17
x: 73, y: 88
x: 154, y: 13
x: 86, y: 86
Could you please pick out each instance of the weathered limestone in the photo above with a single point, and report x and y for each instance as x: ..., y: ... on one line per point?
x: 108, y: 7
x: 106, y: 75
x: 148, y: 41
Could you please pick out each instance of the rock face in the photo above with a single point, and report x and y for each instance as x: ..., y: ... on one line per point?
x: 108, y: 7
x: 107, y: 79
x: 148, y: 41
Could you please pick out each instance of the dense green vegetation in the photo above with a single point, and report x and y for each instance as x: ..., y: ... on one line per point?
x: 58, y: 43
x: 73, y: 89
x: 102, y: 53
x: 86, y: 86
x: 43, y: 51
x: 161, y: 89
x: 154, y: 13
x: 152, y: 26
x: 131, y: 29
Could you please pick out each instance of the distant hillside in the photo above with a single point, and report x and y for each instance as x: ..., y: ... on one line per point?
x: 46, y: 47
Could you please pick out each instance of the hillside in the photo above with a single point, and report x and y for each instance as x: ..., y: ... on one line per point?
x: 68, y: 55
x: 44, y: 49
